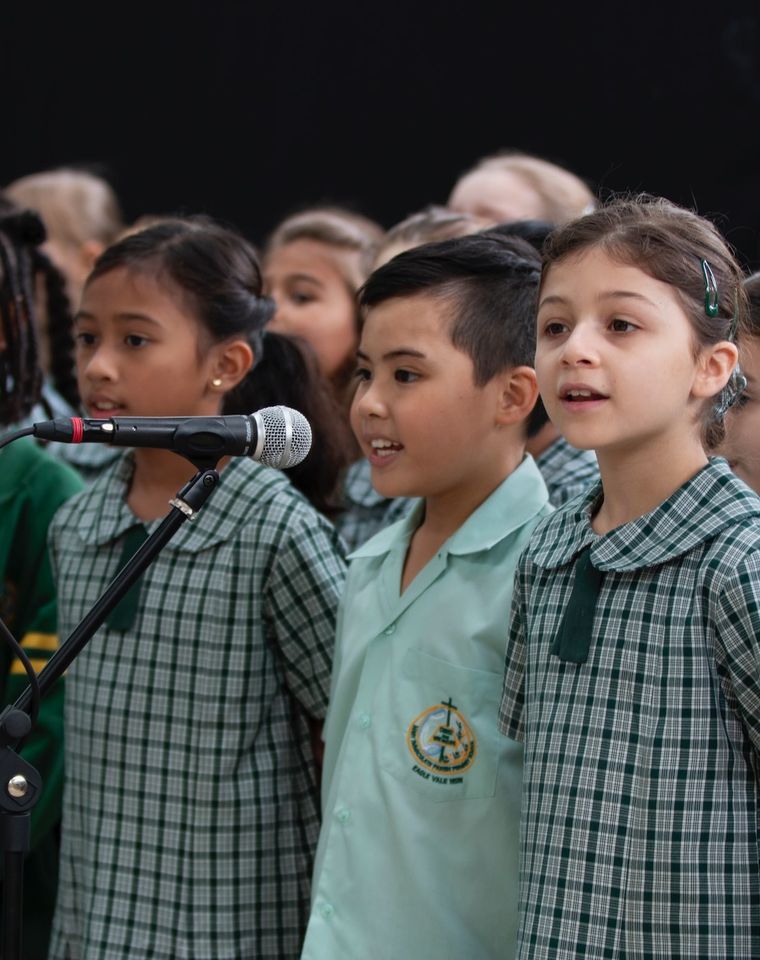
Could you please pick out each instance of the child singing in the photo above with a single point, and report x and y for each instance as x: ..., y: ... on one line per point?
x: 633, y: 665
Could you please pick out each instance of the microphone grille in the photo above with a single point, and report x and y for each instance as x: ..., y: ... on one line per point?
x: 286, y: 437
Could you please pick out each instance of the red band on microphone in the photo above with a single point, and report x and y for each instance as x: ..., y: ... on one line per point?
x: 77, y: 430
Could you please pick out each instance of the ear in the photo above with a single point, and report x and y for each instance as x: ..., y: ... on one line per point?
x: 89, y: 252
x: 229, y: 363
x: 715, y: 365
x: 518, y: 392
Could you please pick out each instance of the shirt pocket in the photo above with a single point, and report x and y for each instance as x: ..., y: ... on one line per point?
x: 443, y: 741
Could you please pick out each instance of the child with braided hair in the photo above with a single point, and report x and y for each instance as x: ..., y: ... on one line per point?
x: 32, y: 487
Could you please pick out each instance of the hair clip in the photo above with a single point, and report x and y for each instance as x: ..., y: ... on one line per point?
x: 731, y: 394
x: 711, y: 290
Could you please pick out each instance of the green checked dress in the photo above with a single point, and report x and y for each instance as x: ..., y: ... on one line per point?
x: 641, y: 802
x: 191, y: 808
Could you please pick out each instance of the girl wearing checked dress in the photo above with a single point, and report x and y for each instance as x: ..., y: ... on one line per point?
x: 633, y: 662
x: 191, y: 804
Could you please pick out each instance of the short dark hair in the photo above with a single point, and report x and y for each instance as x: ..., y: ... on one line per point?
x: 490, y: 284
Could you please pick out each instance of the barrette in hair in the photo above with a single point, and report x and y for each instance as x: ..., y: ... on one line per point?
x: 730, y: 395
x: 711, y: 290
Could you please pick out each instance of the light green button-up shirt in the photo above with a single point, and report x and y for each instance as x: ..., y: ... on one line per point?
x: 418, y: 851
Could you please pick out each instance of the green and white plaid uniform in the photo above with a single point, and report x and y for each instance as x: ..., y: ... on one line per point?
x: 191, y: 808
x: 641, y: 803
x: 567, y: 472
x: 366, y: 512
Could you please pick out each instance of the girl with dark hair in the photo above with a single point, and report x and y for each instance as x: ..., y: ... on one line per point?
x: 288, y: 374
x: 191, y: 806
x: 632, y: 668
x: 32, y: 487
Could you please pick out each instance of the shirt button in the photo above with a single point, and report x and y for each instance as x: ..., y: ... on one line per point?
x: 343, y: 815
x: 365, y: 721
x: 390, y: 629
x: 326, y: 910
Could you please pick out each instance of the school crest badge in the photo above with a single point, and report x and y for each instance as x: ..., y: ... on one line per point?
x: 441, y: 741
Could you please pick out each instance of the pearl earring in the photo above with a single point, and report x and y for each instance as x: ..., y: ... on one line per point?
x: 216, y: 382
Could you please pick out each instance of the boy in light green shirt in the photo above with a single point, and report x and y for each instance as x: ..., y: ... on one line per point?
x: 421, y: 795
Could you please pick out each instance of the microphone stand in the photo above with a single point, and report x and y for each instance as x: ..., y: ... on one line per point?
x: 20, y: 784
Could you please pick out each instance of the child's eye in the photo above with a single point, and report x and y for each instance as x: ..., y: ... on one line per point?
x: 406, y: 376
x: 622, y: 326
x: 84, y: 339
x: 554, y: 328
x: 362, y: 374
x: 135, y: 340
x: 301, y: 299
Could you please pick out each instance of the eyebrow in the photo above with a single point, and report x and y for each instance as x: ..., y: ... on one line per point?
x: 607, y: 295
x: 394, y: 354
x: 120, y: 317
x: 301, y: 277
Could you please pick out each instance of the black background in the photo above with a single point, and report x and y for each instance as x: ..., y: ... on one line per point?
x: 248, y: 110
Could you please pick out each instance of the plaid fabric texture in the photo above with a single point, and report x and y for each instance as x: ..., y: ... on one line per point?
x: 191, y: 808
x: 366, y: 512
x: 641, y: 801
x: 567, y: 472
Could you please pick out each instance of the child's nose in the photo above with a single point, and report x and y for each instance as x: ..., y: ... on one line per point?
x: 581, y: 346
x: 369, y: 400
x: 100, y: 364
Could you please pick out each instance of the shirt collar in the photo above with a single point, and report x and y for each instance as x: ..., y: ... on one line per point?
x: 709, y: 502
x: 107, y: 515
x: 516, y: 500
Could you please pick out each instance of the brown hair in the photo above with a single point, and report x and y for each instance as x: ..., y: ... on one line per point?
x: 670, y: 244
x: 345, y: 232
x: 334, y: 227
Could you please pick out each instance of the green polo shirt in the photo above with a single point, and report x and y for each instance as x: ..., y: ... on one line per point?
x: 641, y: 798
x: 421, y: 794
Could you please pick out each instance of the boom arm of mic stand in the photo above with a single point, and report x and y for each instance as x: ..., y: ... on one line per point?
x: 20, y: 783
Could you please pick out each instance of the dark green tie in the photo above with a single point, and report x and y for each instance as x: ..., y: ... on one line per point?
x: 123, y: 615
x: 574, y: 636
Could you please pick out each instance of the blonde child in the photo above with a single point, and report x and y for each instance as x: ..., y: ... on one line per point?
x: 517, y: 186
x: 190, y: 811
x: 632, y: 664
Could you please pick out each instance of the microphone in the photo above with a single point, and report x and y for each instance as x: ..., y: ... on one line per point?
x: 275, y: 436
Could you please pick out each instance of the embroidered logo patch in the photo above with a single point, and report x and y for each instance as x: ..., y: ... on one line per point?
x: 442, y: 742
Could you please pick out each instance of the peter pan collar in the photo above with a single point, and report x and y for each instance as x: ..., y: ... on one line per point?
x: 515, y: 501
x: 705, y: 505
x: 107, y: 517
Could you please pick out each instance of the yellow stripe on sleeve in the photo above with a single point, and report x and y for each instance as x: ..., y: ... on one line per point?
x: 18, y: 667
x: 40, y: 641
